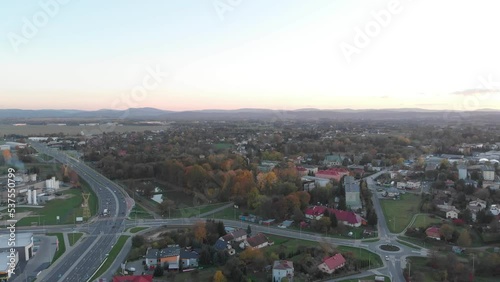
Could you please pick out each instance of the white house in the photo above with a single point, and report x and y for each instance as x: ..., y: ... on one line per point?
x: 488, y: 172
x: 494, y: 210
x: 282, y: 269
x: 452, y: 214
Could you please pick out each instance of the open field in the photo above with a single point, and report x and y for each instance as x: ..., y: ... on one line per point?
x: 67, y: 209
x: 139, y: 213
x: 62, y: 248
x: 423, y: 221
x: 74, y: 237
x: 33, y: 130
x: 362, y: 254
x: 398, y: 213
x: 111, y: 256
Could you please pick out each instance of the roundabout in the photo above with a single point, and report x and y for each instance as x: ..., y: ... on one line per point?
x: 389, y: 248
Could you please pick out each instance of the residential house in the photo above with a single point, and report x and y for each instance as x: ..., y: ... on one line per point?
x: 167, y: 257
x: 488, y: 172
x: 494, y: 210
x: 258, y: 241
x: 133, y: 278
x: 311, y: 169
x: 331, y: 264
x: 315, y: 212
x: 332, y: 173
x: 352, y: 192
x: 301, y: 171
x: 221, y: 245
x: 452, y: 214
x: 333, y: 160
x: 477, y: 203
x: 237, y: 236
x: 189, y: 259
x: 433, y: 232
x: 282, y: 269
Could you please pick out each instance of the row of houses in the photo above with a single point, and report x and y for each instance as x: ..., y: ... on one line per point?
x: 172, y: 258
x: 346, y: 217
x: 240, y: 238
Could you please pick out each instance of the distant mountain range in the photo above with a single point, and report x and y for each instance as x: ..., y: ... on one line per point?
x: 246, y: 114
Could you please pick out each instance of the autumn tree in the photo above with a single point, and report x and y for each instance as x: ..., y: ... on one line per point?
x: 464, y: 239
x: 219, y: 277
x: 200, y: 231
x: 446, y: 231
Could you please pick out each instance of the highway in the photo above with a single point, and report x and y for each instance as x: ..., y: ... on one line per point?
x: 81, y: 263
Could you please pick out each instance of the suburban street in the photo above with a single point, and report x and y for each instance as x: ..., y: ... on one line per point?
x: 81, y: 262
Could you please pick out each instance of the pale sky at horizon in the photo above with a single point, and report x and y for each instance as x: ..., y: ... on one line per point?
x: 281, y: 54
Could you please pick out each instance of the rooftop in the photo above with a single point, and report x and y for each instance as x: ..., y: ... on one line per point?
x: 283, y: 264
x: 22, y: 239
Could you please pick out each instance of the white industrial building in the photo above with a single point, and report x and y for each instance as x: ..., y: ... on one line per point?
x: 7, y: 263
x: 24, y: 245
x: 52, y: 183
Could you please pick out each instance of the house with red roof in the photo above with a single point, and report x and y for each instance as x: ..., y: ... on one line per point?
x: 331, y: 264
x: 133, y: 278
x: 433, y: 232
x: 258, y: 241
x: 315, y: 212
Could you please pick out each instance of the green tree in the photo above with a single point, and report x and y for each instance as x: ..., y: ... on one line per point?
x: 446, y: 231
x: 372, y: 218
x: 464, y: 239
x: 333, y: 220
x: 158, y: 272
x: 138, y: 241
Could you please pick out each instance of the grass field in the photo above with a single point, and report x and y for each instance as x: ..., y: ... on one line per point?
x: 423, y: 221
x: 363, y: 254
x: 398, y: 213
x: 62, y: 247
x: 140, y: 213
x: 369, y: 278
x: 286, y: 245
x: 111, y: 256
x: 67, y: 209
x: 228, y: 213
x: 74, y: 237
x: 137, y: 229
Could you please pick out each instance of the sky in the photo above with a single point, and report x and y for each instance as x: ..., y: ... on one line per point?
x: 230, y: 54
